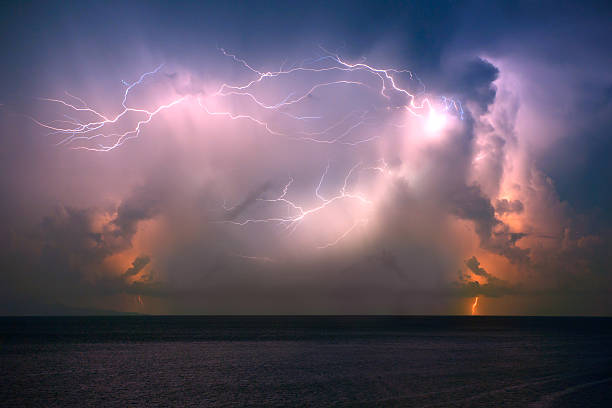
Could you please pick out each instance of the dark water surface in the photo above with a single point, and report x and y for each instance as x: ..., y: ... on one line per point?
x: 306, y: 361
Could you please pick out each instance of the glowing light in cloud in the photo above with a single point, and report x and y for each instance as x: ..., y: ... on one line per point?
x: 81, y: 134
x: 435, y: 122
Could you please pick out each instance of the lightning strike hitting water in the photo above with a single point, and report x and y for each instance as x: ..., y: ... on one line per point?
x: 474, y: 305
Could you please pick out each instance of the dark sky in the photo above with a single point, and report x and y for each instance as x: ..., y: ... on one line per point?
x: 323, y: 177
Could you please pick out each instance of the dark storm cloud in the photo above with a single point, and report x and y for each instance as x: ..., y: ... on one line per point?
x: 70, y: 230
x: 138, y: 265
x: 235, y: 211
x: 472, y: 81
x: 493, y: 287
x: 474, y: 266
x: 558, y: 47
x: 470, y: 203
x: 142, y: 204
x: 505, y: 206
x: 64, y: 255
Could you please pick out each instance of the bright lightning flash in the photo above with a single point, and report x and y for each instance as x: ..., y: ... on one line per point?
x: 435, y: 121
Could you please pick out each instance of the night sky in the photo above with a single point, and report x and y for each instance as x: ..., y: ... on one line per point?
x: 306, y: 157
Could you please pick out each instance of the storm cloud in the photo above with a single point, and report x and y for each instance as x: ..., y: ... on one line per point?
x: 342, y: 201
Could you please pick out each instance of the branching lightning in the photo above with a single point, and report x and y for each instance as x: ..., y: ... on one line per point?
x: 298, y: 213
x: 474, y: 305
x: 98, y: 135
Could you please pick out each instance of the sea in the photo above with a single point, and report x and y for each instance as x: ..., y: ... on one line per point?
x: 314, y: 361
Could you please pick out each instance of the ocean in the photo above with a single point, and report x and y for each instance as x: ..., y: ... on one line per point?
x: 195, y: 361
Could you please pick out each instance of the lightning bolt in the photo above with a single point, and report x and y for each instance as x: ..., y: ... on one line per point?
x: 474, y: 305
x: 97, y: 134
x: 79, y: 133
